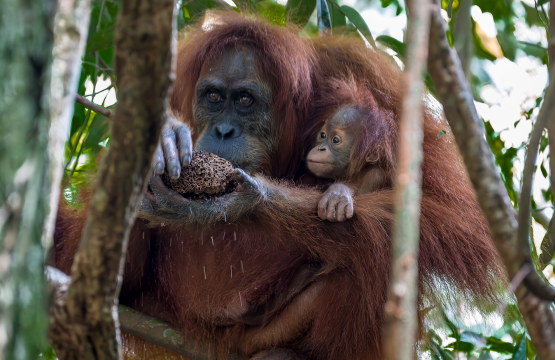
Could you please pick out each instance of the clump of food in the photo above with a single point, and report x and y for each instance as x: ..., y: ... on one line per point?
x: 207, y: 175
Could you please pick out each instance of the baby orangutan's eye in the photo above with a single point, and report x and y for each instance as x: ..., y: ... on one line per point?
x: 336, y: 140
x: 322, y: 135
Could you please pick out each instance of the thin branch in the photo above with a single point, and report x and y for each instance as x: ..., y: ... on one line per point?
x: 77, y: 141
x: 70, y: 36
x: 547, y: 114
x: 99, y: 92
x: 548, y: 245
x: 94, y: 107
x: 108, y: 71
x: 401, y: 322
x: 541, y: 19
x: 454, y: 92
x: 95, y: 65
x: 532, y: 45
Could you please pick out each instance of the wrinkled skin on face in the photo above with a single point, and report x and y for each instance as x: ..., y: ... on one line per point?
x: 232, y: 110
x: 233, y: 117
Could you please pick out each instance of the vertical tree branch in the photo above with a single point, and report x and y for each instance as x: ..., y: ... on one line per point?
x: 463, y: 35
x: 25, y: 58
x: 453, y: 90
x: 88, y: 327
x: 71, y: 26
x: 401, y: 309
x: 546, y: 117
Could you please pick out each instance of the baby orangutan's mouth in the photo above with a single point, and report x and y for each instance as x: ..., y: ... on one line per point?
x: 319, y: 162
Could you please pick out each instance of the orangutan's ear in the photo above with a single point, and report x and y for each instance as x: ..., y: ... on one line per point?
x: 372, y: 157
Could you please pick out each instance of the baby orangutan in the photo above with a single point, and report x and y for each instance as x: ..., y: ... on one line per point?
x: 332, y: 158
x: 353, y: 148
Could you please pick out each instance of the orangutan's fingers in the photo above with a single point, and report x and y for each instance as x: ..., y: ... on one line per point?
x: 170, y: 153
x: 166, y: 198
x: 349, y: 210
x: 323, y: 207
x: 147, y: 203
x: 246, y: 181
x: 332, y: 210
x: 184, y: 143
x: 160, y: 163
x: 341, y: 211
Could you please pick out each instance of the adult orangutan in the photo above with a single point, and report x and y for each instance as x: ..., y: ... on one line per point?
x: 256, y: 272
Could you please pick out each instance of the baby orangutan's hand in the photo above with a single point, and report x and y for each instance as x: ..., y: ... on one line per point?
x: 336, y: 204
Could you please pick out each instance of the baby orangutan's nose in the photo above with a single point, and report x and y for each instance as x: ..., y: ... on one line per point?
x: 322, y: 149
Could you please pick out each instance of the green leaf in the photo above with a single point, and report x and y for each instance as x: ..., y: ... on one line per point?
x: 507, y: 40
x: 393, y: 44
x: 532, y: 17
x: 463, y: 346
x: 473, y: 338
x: 98, y: 131
x: 357, y: 20
x: 544, y: 171
x: 337, y: 17
x: 272, y: 11
x: 531, y: 350
x: 299, y: 11
x: 520, y: 349
x: 396, y: 3
x: 103, y: 39
x: 499, y: 346
x: 440, y: 353
x: 481, y: 51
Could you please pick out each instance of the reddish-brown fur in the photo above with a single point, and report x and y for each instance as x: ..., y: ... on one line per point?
x: 183, y: 273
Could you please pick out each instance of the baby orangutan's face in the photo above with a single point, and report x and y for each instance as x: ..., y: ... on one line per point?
x: 330, y: 156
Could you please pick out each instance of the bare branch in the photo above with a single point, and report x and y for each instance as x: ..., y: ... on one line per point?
x: 94, y: 107
x: 548, y: 245
x: 401, y: 322
x: 88, y: 326
x: 71, y: 27
x: 547, y: 114
x: 445, y: 70
x: 463, y: 35
x: 107, y: 70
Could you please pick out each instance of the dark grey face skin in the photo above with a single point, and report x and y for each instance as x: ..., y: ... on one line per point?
x: 330, y: 156
x: 233, y: 118
x: 232, y: 111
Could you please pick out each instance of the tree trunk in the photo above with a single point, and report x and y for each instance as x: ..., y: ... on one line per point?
x: 401, y: 320
x: 86, y: 325
x: 25, y: 58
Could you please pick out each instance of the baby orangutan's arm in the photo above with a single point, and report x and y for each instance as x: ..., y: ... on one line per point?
x: 337, y: 203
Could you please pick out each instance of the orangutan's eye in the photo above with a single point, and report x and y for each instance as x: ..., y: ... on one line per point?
x: 336, y: 140
x: 245, y: 99
x: 214, y: 96
x: 322, y: 135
